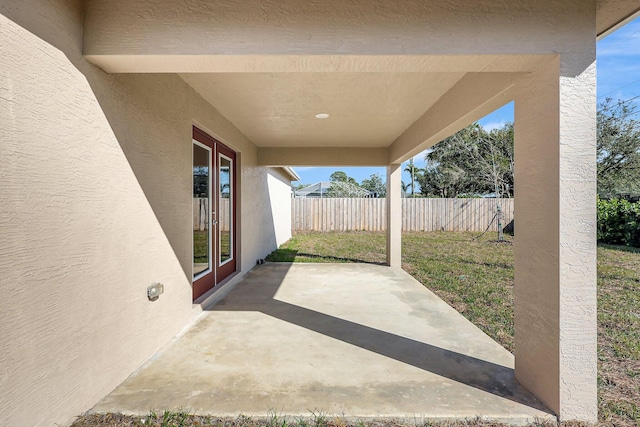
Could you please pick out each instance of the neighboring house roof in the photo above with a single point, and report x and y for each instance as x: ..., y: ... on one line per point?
x: 315, y: 190
x: 319, y: 189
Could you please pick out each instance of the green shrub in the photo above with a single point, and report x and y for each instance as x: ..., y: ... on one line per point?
x: 619, y: 222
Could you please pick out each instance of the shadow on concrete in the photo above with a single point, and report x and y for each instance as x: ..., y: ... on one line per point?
x: 262, y: 284
x: 340, y: 259
x: 289, y: 255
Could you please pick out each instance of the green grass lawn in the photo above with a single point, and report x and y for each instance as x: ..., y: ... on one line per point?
x: 476, y: 278
x: 201, y: 246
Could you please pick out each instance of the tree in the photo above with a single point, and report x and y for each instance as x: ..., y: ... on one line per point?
x: 375, y: 185
x: 338, y: 176
x: 415, y: 174
x: 618, y: 149
x: 200, y: 181
x: 404, y: 187
x: 346, y: 189
x: 471, y: 161
x: 450, y: 167
x: 496, y: 157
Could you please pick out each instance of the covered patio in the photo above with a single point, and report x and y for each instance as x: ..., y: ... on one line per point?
x: 103, y: 103
x: 352, y: 340
x: 375, y: 83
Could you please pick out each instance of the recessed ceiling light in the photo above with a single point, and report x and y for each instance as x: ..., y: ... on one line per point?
x: 322, y: 116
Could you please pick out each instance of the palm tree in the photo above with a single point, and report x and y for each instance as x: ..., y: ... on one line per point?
x: 413, y: 170
x: 404, y: 187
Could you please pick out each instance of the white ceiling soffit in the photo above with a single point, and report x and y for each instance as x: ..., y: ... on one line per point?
x: 365, y: 109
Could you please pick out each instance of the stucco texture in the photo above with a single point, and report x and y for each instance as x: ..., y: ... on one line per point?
x: 555, y: 252
x: 96, y: 168
x: 95, y: 186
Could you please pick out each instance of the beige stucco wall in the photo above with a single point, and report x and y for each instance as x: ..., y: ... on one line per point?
x: 394, y: 217
x: 324, y: 27
x: 95, y: 187
x: 96, y: 167
x: 555, y: 248
x: 279, y: 190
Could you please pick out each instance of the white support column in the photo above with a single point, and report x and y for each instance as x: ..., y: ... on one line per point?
x: 555, y: 241
x: 394, y: 215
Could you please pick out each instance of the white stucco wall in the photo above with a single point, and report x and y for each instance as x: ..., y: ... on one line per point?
x: 280, y: 199
x: 95, y: 190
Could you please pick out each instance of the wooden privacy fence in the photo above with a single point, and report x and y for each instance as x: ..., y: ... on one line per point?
x: 417, y: 214
x: 201, y: 214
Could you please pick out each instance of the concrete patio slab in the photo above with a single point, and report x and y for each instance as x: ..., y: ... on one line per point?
x: 354, y: 340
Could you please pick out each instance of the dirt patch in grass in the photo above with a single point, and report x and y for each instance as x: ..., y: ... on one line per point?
x: 475, y: 276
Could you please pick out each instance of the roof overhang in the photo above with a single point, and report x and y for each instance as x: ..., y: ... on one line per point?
x: 395, y: 77
x: 291, y: 173
x: 613, y: 14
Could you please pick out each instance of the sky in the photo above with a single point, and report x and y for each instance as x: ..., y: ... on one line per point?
x: 618, y: 74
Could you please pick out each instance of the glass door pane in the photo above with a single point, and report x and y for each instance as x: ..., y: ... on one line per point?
x: 201, y: 209
x: 225, y: 209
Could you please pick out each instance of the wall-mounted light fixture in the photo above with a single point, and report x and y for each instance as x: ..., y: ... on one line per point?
x: 154, y: 291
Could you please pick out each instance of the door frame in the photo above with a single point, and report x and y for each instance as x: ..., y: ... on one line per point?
x: 218, y: 272
x: 228, y: 267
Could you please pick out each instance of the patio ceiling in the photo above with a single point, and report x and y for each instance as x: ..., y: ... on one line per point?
x: 395, y: 78
x: 375, y: 117
x: 366, y: 109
